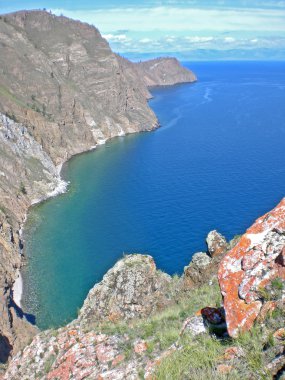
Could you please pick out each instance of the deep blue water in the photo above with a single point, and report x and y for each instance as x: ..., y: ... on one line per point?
x: 217, y: 162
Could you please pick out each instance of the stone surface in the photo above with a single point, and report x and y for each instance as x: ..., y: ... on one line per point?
x: 216, y: 243
x: 213, y: 315
x: 153, y: 364
x: 250, y: 266
x: 73, y: 354
x: 276, y: 365
x: 232, y: 353
x: 194, y: 326
x: 194, y: 273
x: 133, y: 288
x: 280, y: 334
x: 224, y: 368
x: 140, y: 347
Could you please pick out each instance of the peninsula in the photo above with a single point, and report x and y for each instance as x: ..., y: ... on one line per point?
x: 62, y: 92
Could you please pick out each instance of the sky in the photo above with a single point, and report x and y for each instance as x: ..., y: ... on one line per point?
x: 192, y: 29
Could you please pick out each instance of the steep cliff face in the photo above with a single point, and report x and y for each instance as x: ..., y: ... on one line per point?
x: 61, y: 79
x: 62, y: 92
x: 132, y: 289
x: 164, y: 72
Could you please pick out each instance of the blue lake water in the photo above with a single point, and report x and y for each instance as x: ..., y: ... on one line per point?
x: 217, y: 162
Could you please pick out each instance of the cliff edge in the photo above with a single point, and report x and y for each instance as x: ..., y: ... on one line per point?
x: 139, y: 323
x: 62, y: 92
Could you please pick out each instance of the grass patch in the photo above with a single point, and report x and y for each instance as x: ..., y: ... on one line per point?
x: 48, y: 364
x: 163, y: 329
x: 7, y: 94
x: 196, y: 360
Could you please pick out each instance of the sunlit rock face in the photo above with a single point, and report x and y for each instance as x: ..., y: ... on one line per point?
x: 133, y: 288
x: 217, y: 244
x: 62, y: 92
x: 250, y: 267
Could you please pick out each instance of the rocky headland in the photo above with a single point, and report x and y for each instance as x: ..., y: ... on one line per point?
x: 62, y: 92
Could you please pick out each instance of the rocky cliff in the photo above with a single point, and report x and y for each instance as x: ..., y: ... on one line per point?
x: 248, y: 270
x: 139, y: 323
x: 62, y: 92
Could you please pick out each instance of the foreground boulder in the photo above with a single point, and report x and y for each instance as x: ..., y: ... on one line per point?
x: 197, y: 270
x: 217, y: 243
x: 250, y: 270
x: 133, y: 288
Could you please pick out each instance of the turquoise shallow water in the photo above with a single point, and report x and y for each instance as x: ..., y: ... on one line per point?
x: 216, y: 162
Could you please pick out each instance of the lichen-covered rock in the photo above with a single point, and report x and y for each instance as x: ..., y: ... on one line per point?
x: 133, y: 288
x: 250, y: 267
x: 71, y: 353
x: 194, y: 325
x: 194, y: 273
x: 217, y: 243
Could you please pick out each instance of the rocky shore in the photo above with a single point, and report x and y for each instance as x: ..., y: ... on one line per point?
x: 62, y: 92
x: 222, y: 319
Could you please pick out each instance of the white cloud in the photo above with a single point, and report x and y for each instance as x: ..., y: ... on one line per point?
x: 229, y: 39
x: 115, y: 37
x: 173, y: 28
x: 145, y: 40
x: 198, y: 39
x: 181, y: 19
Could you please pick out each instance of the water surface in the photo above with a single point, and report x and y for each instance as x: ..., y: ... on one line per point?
x: 217, y: 162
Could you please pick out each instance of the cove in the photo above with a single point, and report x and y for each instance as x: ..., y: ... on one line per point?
x: 217, y: 162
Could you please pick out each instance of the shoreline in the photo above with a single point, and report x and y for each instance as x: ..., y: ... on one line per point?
x: 17, y: 289
x: 61, y: 188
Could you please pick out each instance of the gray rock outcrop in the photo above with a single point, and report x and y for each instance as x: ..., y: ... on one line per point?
x: 133, y: 288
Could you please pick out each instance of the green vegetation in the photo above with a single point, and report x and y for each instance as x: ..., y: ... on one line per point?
x: 3, y: 367
x: 49, y: 362
x: 163, y: 329
x: 272, y: 291
x: 23, y: 189
x: 12, y: 116
x: 195, y: 360
x: 198, y: 358
x: 3, y: 210
x: 7, y: 94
